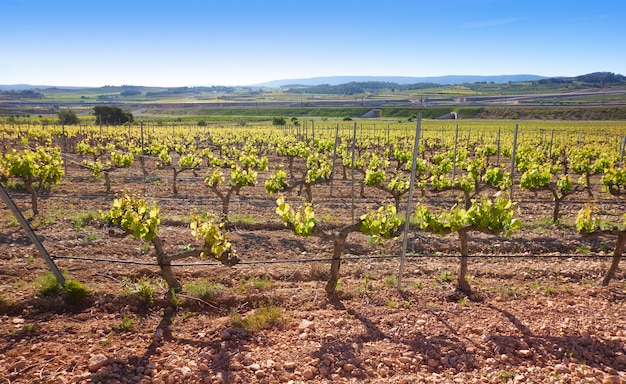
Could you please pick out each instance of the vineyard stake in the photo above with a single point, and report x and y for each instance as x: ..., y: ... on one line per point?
x: 388, y: 134
x: 551, y: 142
x: 31, y: 235
x: 498, y: 145
x: 332, y: 172
x: 513, y: 160
x: 418, y: 129
x: 352, y: 173
x: 621, y: 157
x: 456, y: 138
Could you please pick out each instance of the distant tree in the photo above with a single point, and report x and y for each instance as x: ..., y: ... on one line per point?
x: 601, y: 78
x: 24, y: 94
x: 279, y: 121
x: 68, y: 117
x: 110, y: 115
x: 201, y: 123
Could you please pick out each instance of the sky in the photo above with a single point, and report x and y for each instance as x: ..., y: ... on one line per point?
x: 243, y: 42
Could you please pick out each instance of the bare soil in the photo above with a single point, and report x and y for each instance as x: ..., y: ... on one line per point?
x: 540, y: 317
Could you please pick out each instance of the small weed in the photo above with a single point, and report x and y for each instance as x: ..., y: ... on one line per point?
x: 364, y: 288
x: 536, y: 286
x: 462, y: 301
x: 406, y: 305
x: 43, y: 221
x: 446, y: 277
x: 510, y: 293
x: 30, y: 258
x: 583, y: 250
x: 506, y: 376
x: 145, y: 290
x: 543, y: 225
x: 107, y: 340
x: 549, y: 291
x: 30, y: 328
x: 262, y: 317
x: 391, y: 303
x: 145, y: 248
x: 390, y: 281
x: 127, y: 325
x: 47, y: 285
x: 91, y: 237
x: 259, y: 283
x: 203, y: 290
x: 329, y: 218
x: 242, y: 219
x: 81, y: 219
x: 176, y: 301
x: 185, y: 315
x: 74, y: 292
x: 417, y: 284
x: 262, y: 282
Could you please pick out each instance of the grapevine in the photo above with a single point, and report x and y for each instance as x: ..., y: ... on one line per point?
x: 141, y: 220
x: 590, y: 225
x: 484, y: 215
x: 43, y: 165
x: 379, y: 225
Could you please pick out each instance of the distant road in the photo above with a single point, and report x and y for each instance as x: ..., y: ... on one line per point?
x: 534, y: 100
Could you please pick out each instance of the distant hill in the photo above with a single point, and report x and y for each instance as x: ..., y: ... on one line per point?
x: 16, y: 87
x: 23, y: 87
x: 442, y: 80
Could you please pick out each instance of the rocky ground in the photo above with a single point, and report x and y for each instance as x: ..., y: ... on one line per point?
x: 529, y: 319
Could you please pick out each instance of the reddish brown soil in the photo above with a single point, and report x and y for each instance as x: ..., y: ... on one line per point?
x: 529, y: 319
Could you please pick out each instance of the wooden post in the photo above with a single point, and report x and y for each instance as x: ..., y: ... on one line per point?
x: 498, y: 145
x: 621, y: 157
x: 456, y: 138
x: 513, y: 161
x: 405, y: 240
x: 551, y: 142
x: 353, y: 161
x: 31, y: 235
x: 332, y: 172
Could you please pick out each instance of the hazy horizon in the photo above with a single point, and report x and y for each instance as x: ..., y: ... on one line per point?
x: 192, y: 42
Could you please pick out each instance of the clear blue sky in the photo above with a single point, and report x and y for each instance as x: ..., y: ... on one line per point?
x: 240, y: 42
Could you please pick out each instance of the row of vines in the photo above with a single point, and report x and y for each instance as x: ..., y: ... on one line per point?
x: 466, y: 177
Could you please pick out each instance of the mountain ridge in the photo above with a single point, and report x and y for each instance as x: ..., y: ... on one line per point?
x: 441, y: 80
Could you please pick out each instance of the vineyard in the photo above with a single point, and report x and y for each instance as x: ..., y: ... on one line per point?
x: 470, y: 251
